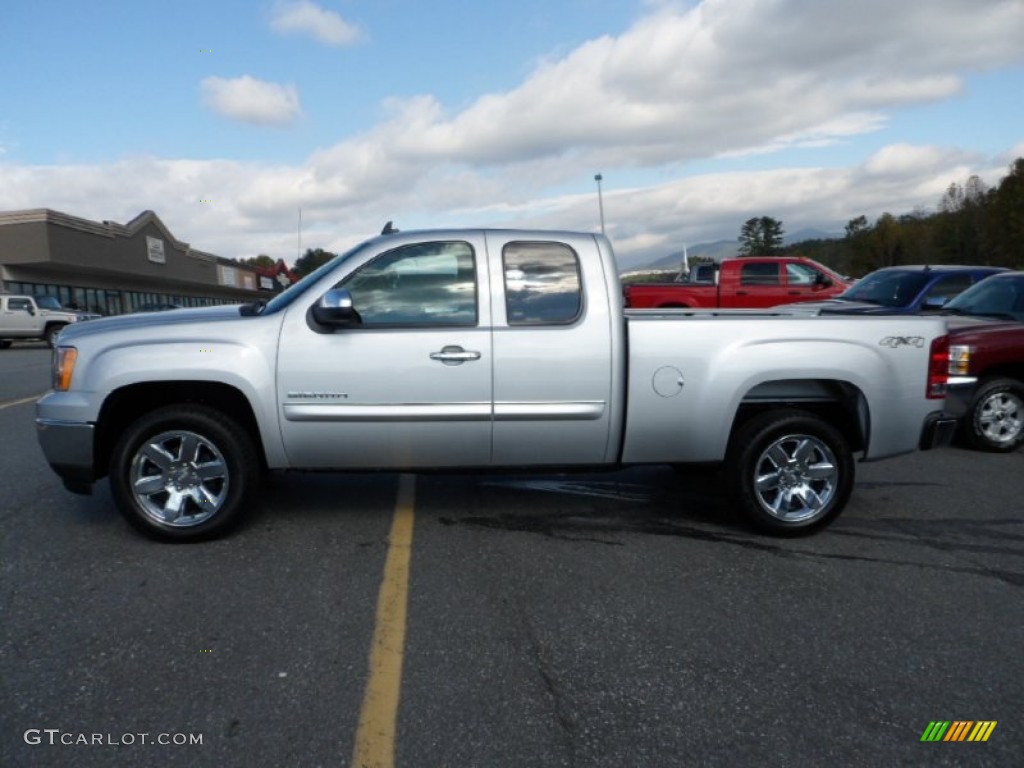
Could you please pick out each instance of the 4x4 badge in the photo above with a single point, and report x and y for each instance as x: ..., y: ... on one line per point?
x: 902, y: 341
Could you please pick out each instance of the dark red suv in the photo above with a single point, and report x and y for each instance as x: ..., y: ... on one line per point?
x: 986, y: 336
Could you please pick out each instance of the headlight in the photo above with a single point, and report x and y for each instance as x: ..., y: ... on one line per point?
x: 64, y: 359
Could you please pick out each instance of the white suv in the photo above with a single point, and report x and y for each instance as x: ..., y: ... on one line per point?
x: 25, y: 317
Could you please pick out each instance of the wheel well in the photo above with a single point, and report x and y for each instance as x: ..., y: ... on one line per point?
x: 123, y: 406
x: 840, y: 403
x: 1005, y: 370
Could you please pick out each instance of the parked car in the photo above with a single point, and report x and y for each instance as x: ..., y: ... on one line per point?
x: 902, y: 290
x: 53, y: 303
x: 986, y: 335
x: 30, y: 318
x: 753, y: 282
x: 158, y: 307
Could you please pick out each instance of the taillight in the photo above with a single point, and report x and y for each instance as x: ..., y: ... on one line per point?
x: 938, y: 368
x: 959, y: 360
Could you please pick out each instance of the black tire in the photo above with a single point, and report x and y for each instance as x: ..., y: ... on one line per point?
x: 5, y: 343
x: 50, y: 334
x: 201, y: 466
x: 806, y: 466
x: 995, y: 420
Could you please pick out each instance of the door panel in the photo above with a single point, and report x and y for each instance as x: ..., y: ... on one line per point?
x: 552, y: 356
x: 758, y: 286
x: 16, y: 318
x: 408, y: 387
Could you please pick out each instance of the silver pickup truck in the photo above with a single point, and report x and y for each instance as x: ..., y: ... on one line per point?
x: 482, y: 349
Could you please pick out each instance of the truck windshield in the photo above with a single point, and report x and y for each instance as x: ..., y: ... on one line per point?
x: 48, y: 302
x: 995, y: 297
x: 887, y: 289
x: 293, y: 292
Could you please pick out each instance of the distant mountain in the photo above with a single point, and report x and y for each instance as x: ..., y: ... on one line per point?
x: 809, y: 233
x: 718, y: 250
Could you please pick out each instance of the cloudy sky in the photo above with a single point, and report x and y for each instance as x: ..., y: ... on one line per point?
x: 228, y: 117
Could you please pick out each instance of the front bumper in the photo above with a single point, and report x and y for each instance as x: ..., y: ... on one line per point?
x: 68, y: 447
x: 938, y: 430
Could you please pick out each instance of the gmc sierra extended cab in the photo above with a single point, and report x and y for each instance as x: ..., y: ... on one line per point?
x: 748, y: 282
x: 482, y: 349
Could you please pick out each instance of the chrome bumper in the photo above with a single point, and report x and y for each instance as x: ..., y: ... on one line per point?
x: 68, y: 447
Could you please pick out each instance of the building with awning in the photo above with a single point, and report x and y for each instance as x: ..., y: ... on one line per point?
x: 112, y: 268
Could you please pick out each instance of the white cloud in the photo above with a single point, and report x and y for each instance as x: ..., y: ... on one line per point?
x: 723, y: 77
x: 685, y: 84
x: 250, y: 100
x: 307, y: 18
x: 254, y: 208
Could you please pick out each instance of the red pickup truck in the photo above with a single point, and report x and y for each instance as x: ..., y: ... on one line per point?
x: 746, y: 282
x: 986, y: 385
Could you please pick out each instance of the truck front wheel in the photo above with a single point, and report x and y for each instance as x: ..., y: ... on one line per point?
x: 790, y: 472
x: 184, y: 473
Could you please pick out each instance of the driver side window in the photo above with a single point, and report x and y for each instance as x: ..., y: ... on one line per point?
x: 420, y: 285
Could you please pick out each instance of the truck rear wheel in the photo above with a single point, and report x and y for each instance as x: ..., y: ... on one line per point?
x: 184, y: 473
x: 995, y: 421
x: 789, y: 471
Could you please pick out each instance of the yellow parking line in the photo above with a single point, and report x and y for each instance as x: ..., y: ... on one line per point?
x: 375, y: 736
x: 23, y: 400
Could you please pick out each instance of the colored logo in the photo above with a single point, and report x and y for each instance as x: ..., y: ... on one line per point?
x: 959, y: 730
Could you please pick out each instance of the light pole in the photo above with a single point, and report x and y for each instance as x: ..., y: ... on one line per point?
x: 600, y: 199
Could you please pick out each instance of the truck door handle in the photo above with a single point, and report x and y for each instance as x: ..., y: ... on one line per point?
x: 454, y: 355
x: 741, y: 293
x: 794, y: 293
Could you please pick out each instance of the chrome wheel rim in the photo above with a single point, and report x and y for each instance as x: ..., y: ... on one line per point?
x: 179, y: 479
x: 1001, y: 418
x: 796, y: 478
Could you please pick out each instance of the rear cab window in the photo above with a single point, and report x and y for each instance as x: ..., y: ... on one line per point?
x: 542, y: 284
x: 760, y: 273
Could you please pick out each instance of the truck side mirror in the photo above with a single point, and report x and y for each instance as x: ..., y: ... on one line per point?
x: 935, y: 302
x: 30, y: 309
x: 336, y: 310
x: 822, y: 280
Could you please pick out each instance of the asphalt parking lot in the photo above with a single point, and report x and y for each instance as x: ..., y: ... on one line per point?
x: 621, y: 619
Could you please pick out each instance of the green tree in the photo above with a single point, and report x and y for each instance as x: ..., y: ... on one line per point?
x: 960, y: 224
x: 310, y: 260
x: 761, y: 236
x: 1004, y: 220
x: 262, y: 261
x: 886, y: 242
